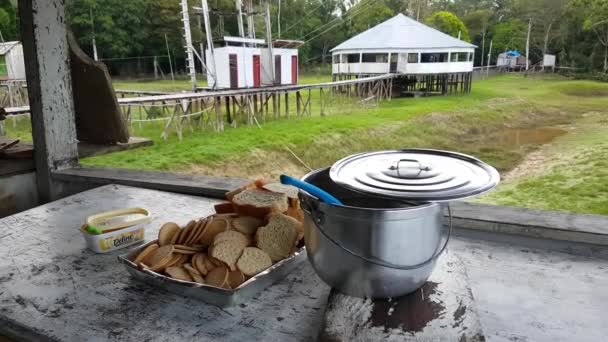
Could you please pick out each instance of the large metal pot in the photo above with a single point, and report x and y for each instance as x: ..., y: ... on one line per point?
x: 370, y: 247
x: 379, y: 244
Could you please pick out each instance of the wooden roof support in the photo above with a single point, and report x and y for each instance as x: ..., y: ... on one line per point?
x: 47, y: 64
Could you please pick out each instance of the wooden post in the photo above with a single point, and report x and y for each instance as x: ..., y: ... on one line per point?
x: 321, y: 102
x: 298, y: 104
x: 219, y: 122
x: 274, y: 105
x: 228, y: 115
x: 47, y: 63
x: 287, y: 104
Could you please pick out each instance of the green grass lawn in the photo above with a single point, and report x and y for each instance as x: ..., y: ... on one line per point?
x: 473, y: 124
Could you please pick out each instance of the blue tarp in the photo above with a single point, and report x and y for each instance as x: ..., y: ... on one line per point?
x: 513, y: 53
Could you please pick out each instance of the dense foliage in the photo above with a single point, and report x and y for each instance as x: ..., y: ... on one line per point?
x: 575, y: 30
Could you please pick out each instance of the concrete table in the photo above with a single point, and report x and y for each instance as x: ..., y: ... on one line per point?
x: 53, y: 288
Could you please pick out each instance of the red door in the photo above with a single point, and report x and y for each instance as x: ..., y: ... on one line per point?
x: 256, y: 71
x: 294, y: 69
x: 234, y: 71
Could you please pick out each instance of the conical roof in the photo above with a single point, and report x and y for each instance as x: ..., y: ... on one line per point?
x: 402, y: 32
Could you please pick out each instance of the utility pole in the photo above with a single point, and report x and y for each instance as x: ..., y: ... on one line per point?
x: 279, y: 19
x: 269, y: 41
x: 250, y: 24
x: 95, y: 57
x: 528, y: 45
x: 459, y: 33
x: 418, y: 11
x: 202, y: 46
x: 189, y: 47
x: 208, y: 33
x: 239, y: 9
x: 169, y: 56
x: 489, y: 58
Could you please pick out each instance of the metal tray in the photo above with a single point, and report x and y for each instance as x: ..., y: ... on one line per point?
x: 211, y: 294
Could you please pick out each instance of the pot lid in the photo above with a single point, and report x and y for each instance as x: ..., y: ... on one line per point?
x: 415, y: 174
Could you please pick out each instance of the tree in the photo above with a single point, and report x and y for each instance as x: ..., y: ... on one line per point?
x: 510, y: 35
x: 449, y: 23
x: 597, y: 21
x: 119, y: 25
x: 478, y: 23
x: 366, y: 14
x: 8, y: 20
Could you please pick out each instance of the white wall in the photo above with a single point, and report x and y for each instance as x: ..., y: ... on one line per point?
x: 14, y: 63
x: 286, y: 54
x: 402, y: 65
x: 245, y: 65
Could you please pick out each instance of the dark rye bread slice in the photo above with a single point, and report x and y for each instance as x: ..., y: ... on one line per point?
x: 259, y: 203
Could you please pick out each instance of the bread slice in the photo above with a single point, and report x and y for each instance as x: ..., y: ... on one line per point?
x: 259, y: 203
x: 295, y: 212
x: 232, y: 235
x: 253, y: 261
x: 289, y: 190
x: 213, y: 227
x: 278, y: 237
x: 177, y: 272
x: 198, y: 261
x: 194, y: 273
x: 224, y: 208
x: 235, y: 278
x: 227, y: 252
x: 218, y: 277
x: 167, y: 232
x: 256, y: 184
x: 247, y: 225
x: 145, y: 254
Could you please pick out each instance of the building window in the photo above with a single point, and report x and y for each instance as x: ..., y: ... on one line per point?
x: 470, y: 56
x: 352, y: 58
x: 434, y: 57
x: 336, y: 59
x: 375, y: 58
x: 459, y: 56
x: 412, y: 58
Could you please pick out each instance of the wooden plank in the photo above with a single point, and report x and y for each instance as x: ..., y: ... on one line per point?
x: 12, y: 167
x: 88, y: 150
x: 555, y: 225
x: 44, y: 36
x: 215, y: 187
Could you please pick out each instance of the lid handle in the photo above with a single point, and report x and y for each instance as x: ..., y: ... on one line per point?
x: 397, y: 167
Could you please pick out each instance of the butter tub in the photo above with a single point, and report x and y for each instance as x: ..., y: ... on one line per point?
x: 119, y: 229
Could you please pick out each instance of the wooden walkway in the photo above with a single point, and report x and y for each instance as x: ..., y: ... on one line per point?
x: 250, y: 106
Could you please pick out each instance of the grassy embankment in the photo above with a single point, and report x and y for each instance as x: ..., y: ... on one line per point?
x: 575, y: 178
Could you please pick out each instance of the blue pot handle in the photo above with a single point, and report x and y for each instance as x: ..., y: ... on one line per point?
x: 321, y: 194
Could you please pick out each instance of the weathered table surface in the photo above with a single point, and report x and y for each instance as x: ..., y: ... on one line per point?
x: 52, y: 287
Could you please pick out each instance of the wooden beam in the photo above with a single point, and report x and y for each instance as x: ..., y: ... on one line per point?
x: 47, y: 63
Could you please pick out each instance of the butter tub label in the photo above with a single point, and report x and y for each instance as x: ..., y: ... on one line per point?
x: 121, y: 240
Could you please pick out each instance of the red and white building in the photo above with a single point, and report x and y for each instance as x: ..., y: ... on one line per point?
x: 245, y: 63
